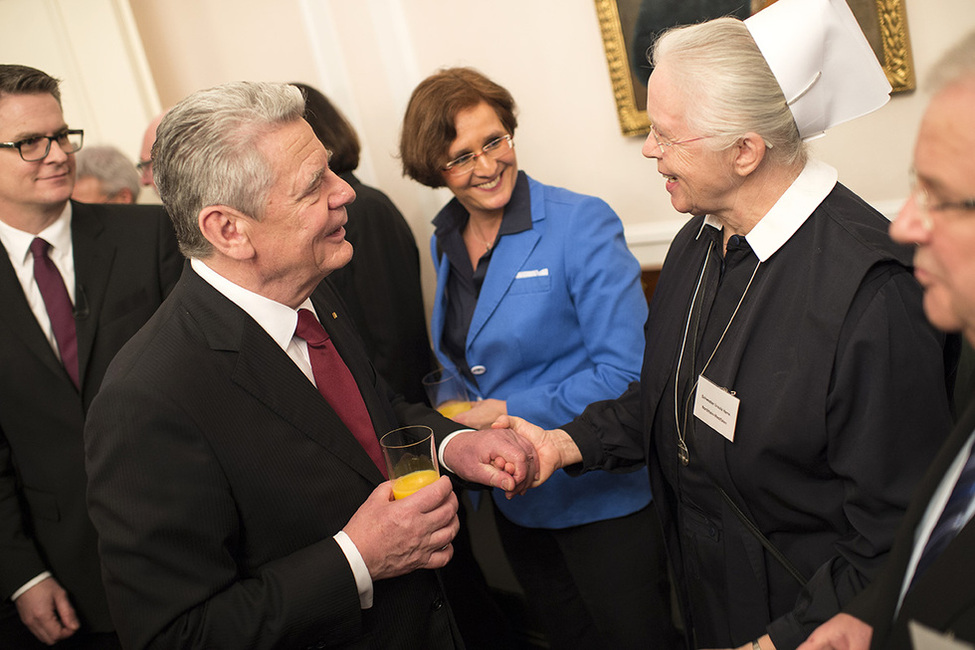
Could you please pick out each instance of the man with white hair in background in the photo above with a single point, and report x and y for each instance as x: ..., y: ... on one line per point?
x: 105, y: 175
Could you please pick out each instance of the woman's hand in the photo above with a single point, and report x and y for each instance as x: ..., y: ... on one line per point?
x: 482, y: 413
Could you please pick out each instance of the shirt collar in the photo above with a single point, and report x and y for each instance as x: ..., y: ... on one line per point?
x: 58, y: 235
x: 277, y: 319
x: 796, y: 204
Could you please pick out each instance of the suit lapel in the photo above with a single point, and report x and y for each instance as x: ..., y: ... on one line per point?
x: 20, y: 320
x: 265, y: 371
x: 506, y: 261
x: 954, y: 566
x: 93, y: 258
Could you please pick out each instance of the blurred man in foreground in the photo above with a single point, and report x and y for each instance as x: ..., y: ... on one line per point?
x: 926, y: 592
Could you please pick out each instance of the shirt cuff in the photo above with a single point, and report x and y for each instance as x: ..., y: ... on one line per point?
x: 443, y: 446
x: 40, y: 578
x: 363, y: 581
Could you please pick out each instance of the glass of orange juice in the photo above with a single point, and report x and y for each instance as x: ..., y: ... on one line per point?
x: 410, y: 458
x: 447, y: 392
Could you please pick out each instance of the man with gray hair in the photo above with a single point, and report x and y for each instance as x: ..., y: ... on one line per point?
x: 105, y: 175
x: 239, y: 501
x: 925, y: 596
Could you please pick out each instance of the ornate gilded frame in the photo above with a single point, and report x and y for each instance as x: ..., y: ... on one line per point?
x: 891, y: 18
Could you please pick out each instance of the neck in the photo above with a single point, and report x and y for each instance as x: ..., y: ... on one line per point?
x: 280, y: 289
x: 31, y: 219
x: 756, y: 195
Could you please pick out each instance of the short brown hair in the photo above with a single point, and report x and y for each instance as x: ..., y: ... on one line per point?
x: 332, y: 130
x: 428, y: 126
x: 24, y: 80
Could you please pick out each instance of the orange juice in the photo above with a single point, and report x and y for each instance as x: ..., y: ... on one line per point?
x: 404, y: 486
x: 450, y: 408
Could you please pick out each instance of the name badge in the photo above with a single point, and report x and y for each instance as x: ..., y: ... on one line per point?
x: 716, y: 407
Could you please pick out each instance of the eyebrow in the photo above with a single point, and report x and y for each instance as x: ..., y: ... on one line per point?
x: 314, y: 183
x: 468, y: 150
x: 38, y: 134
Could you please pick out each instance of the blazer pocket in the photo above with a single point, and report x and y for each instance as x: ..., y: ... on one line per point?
x: 533, y: 281
x: 43, y: 505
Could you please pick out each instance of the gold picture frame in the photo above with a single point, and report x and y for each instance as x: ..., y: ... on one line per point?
x: 884, y: 22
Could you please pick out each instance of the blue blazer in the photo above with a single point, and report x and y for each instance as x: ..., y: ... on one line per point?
x: 558, y: 324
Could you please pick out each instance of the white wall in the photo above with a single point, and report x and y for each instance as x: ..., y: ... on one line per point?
x: 367, y: 55
x: 94, y: 48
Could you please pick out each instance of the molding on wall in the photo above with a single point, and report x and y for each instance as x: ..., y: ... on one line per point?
x: 649, y: 241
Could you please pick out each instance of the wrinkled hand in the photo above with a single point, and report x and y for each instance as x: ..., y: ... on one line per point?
x: 842, y: 632
x: 555, y: 449
x: 398, y: 537
x: 482, y: 413
x: 47, y: 612
x: 496, y: 457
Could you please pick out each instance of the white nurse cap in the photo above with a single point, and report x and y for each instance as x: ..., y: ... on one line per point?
x: 827, y: 70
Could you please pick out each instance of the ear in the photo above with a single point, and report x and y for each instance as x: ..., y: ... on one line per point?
x: 228, y: 230
x: 749, y: 153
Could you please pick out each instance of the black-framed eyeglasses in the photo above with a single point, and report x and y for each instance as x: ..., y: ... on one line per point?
x: 495, y: 149
x: 143, y: 165
x: 37, y: 147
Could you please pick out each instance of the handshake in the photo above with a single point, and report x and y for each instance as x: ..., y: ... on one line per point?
x: 513, y: 454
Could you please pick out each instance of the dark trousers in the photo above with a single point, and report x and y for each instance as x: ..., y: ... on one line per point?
x: 600, y: 585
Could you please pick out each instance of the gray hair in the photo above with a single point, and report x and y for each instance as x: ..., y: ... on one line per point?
x: 954, y: 65
x: 111, y: 167
x: 729, y: 87
x: 206, y: 153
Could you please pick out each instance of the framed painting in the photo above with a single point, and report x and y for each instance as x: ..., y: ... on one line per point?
x: 628, y: 27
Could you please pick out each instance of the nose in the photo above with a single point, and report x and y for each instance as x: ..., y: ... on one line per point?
x: 55, y: 154
x: 650, y: 147
x: 912, y: 225
x: 490, y: 164
x: 146, y: 178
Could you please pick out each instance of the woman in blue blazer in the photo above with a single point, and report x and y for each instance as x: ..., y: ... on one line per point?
x: 539, y: 308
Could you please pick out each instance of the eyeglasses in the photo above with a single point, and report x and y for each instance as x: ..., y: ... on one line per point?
x: 143, y: 165
x: 663, y: 142
x: 37, y: 147
x: 926, y: 204
x: 495, y: 149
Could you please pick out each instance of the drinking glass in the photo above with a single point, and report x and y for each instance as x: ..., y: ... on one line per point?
x: 410, y: 459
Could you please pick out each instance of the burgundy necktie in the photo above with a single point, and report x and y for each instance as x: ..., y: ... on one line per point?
x: 337, y: 385
x: 58, y: 305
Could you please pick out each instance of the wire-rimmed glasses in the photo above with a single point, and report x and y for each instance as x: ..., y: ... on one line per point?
x: 465, y: 163
x: 39, y: 146
x: 664, y: 142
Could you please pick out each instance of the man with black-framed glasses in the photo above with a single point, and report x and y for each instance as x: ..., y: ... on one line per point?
x: 76, y: 281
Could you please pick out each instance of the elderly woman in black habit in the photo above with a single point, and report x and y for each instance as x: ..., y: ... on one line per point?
x: 792, y: 392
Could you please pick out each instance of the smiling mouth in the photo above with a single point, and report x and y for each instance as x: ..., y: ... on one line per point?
x: 491, y: 184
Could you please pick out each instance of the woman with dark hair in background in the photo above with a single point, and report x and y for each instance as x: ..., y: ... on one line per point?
x: 381, y: 285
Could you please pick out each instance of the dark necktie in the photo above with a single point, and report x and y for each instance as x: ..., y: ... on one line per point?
x: 58, y: 305
x: 337, y: 385
x: 952, y: 518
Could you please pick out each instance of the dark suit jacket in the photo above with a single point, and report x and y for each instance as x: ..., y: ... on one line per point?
x: 944, y: 597
x: 126, y: 261
x: 217, y: 478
